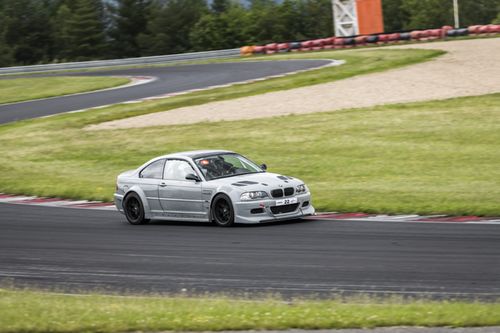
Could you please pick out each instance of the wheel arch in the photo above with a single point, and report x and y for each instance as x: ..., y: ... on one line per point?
x: 217, y: 194
x: 137, y: 190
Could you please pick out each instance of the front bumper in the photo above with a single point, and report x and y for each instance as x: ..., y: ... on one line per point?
x: 261, y: 211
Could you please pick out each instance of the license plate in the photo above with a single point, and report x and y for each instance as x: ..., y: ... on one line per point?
x: 286, y: 201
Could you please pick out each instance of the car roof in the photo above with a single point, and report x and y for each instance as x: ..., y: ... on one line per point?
x: 193, y: 154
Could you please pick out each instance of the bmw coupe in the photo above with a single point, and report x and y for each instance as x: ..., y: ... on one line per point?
x: 209, y: 186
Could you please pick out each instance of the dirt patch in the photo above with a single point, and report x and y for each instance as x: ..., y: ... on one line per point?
x: 471, y: 67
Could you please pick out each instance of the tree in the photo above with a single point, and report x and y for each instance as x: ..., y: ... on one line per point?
x: 6, y: 58
x: 130, y: 19
x: 222, y: 30
x: 425, y: 14
x: 290, y: 17
x: 263, y: 26
x: 317, y: 18
x: 61, y: 37
x: 395, y: 17
x: 478, y: 11
x: 26, y: 31
x: 497, y: 19
x: 220, y: 6
x: 170, y: 27
x: 85, y: 30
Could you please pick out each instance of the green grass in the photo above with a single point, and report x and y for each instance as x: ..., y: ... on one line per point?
x: 437, y: 157
x: 31, y: 311
x: 433, y: 157
x: 17, y: 90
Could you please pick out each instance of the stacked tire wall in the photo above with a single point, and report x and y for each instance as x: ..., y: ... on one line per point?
x: 330, y: 43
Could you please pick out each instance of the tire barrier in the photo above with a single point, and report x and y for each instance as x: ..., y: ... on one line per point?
x: 394, y: 38
x: 405, y: 36
x: 371, y: 40
x: 259, y: 50
x: 349, y: 41
x: 271, y: 48
x: 283, y: 47
x: 361, y: 40
x: 457, y: 32
x: 294, y: 46
x: 247, y: 50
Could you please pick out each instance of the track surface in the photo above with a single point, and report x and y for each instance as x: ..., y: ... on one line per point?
x: 170, y: 79
x: 81, y: 249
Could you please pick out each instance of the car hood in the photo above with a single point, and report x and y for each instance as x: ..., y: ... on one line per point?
x: 258, y: 181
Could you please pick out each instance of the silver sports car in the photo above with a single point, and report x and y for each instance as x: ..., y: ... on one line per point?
x: 209, y: 186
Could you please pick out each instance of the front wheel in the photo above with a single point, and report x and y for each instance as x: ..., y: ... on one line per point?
x: 134, y: 209
x: 222, y: 211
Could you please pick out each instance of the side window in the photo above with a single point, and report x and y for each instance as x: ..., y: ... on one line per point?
x: 177, y: 170
x: 154, y: 170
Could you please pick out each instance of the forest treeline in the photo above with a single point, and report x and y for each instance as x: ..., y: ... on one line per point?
x: 41, y: 31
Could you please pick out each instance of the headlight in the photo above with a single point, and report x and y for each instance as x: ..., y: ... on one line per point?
x: 247, y: 196
x: 301, y: 188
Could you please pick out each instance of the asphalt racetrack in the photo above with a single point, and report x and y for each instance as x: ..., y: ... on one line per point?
x: 75, y: 250
x: 72, y: 249
x: 169, y: 80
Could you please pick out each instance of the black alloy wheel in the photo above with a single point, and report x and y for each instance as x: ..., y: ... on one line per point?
x: 222, y: 211
x: 134, y: 210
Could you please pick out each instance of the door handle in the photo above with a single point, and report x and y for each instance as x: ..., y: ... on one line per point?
x: 163, y: 184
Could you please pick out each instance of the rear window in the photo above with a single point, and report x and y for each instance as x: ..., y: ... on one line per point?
x: 154, y: 170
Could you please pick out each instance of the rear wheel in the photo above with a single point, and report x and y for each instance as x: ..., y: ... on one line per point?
x: 222, y: 211
x: 134, y: 209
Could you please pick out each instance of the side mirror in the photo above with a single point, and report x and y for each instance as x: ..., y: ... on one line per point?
x: 192, y: 176
x: 263, y: 166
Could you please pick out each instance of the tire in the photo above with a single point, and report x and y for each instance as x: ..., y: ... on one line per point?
x: 134, y: 209
x: 222, y: 211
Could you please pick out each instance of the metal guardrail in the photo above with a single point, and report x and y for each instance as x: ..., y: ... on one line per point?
x: 122, y: 62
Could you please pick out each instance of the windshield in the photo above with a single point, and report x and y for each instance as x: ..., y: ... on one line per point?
x: 225, y: 165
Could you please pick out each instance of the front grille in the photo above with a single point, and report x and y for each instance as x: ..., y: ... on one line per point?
x: 284, y: 209
x: 288, y: 191
x: 278, y: 193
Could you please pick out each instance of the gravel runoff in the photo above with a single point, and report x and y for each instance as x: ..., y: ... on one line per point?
x: 471, y: 67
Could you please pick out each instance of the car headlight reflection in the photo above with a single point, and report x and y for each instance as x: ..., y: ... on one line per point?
x: 301, y: 188
x: 255, y: 195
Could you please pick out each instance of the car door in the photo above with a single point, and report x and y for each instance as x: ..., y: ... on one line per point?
x: 149, y: 180
x: 179, y: 197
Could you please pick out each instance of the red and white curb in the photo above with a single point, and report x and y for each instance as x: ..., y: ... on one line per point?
x: 55, y: 202
x: 407, y: 218
x: 99, y: 205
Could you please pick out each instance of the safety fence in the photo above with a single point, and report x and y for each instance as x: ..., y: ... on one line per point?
x: 367, y: 40
x: 163, y: 59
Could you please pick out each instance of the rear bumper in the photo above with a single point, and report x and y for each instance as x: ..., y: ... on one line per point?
x: 259, y: 211
x: 118, y: 198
